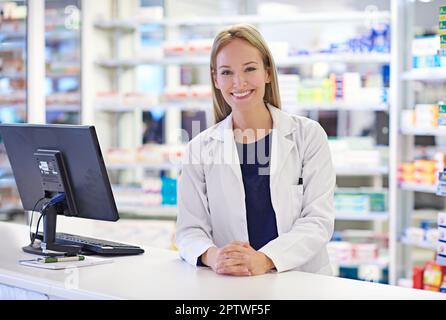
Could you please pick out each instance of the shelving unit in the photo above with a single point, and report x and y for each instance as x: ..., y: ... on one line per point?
x: 62, y: 44
x: 352, y: 58
x: 402, y: 144
x: 13, y: 107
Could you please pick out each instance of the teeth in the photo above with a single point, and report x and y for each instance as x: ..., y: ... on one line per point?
x: 241, y: 94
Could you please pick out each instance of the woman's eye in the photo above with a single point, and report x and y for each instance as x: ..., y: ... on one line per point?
x: 249, y: 69
x: 225, y: 72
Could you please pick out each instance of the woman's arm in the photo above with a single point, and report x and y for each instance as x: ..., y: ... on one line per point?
x: 193, y: 228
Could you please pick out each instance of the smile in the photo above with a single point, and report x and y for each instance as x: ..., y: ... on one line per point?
x: 243, y: 94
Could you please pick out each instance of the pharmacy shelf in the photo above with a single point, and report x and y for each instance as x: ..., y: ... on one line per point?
x: 378, y: 262
x: 13, y: 105
x: 356, y: 58
x: 53, y: 35
x: 425, y: 74
x: 361, y: 171
x: 417, y: 187
x: 13, y: 75
x: 63, y: 107
x: 11, y: 47
x: 62, y: 75
x: 12, y: 34
x: 61, y: 35
x: 355, y: 216
x: 7, y: 183
x: 424, y: 245
x: 187, y: 105
x: 206, y: 104
x: 145, y: 166
x: 340, y: 171
x: 423, y: 132
x: 335, y: 106
x: 162, y: 212
x: 352, y: 16
x: 171, y: 211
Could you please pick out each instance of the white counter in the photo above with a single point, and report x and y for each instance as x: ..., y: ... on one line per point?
x: 160, y: 274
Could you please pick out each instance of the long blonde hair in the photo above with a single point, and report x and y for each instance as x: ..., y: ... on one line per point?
x: 250, y: 34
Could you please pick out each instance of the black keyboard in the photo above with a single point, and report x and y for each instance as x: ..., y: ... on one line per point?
x: 96, y: 246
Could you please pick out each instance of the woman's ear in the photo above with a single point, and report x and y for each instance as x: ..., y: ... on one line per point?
x: 214, y: 78
x: 268, y: 75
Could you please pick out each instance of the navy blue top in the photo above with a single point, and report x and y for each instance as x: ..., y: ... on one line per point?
x: 255, y: 166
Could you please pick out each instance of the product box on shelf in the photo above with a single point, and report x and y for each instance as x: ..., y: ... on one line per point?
x: 373, y: 273
x: 441, y: 246
x: 442, y: 113
x: 433, y: 276
x: 426, y: 116
x: 200, y: 46
x: 425, y: 52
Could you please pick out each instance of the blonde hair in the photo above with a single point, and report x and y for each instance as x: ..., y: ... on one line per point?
x: 250, y: 34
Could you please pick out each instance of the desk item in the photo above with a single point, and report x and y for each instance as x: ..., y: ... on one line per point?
x: 87, y: 261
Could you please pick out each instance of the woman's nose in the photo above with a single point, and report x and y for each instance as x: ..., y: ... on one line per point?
x: 239, y: 81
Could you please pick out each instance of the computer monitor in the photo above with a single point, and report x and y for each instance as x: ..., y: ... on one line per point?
x: 59, y: 169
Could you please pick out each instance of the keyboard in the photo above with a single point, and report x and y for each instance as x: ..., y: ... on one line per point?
x: 96, y: 246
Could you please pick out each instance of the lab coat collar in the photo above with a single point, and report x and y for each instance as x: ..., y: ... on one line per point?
x: 282, y: 144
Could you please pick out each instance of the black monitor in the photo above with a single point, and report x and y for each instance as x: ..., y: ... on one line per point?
x: 59, y: 169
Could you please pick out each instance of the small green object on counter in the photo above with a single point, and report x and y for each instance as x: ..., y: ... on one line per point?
x: 61, y: 259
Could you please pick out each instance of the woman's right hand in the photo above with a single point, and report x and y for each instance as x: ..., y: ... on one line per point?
x: 223, y: 263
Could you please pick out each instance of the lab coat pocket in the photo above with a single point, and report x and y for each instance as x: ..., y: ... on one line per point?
x: 297, y: 192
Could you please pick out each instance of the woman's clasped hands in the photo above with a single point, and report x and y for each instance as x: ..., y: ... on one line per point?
x: 238, y: 259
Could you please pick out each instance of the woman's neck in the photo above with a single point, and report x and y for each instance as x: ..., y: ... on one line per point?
x: 250, y: 126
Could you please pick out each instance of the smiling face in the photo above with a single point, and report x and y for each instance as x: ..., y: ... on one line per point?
x: 240, y: 75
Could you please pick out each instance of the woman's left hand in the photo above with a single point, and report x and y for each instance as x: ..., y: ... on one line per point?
x: 256, y: 261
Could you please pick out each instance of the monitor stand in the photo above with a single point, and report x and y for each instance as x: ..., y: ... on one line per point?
x: 48, y: 247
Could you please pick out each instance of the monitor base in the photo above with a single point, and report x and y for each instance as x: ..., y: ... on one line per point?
x: 36, y: 249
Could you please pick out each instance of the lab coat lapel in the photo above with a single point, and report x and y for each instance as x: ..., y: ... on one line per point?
x: 230, y: 155
x: 282, y: 144
x: 231, y: 158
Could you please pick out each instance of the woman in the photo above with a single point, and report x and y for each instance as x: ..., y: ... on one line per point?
x: 256, y: 189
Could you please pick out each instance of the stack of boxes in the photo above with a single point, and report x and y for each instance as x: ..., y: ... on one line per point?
x: 419, y: 171
x: 430, y: 277
x: 357, y: 261
x: 422, y: 171
x: 360, y: 201
x: 288, y: 84
x: 424, y: 117
x: 356, y: 153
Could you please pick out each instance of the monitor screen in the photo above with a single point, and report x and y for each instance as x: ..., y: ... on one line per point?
x: 83, y: 160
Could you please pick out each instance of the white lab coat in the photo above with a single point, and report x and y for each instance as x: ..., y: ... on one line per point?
x: 211, y: 196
